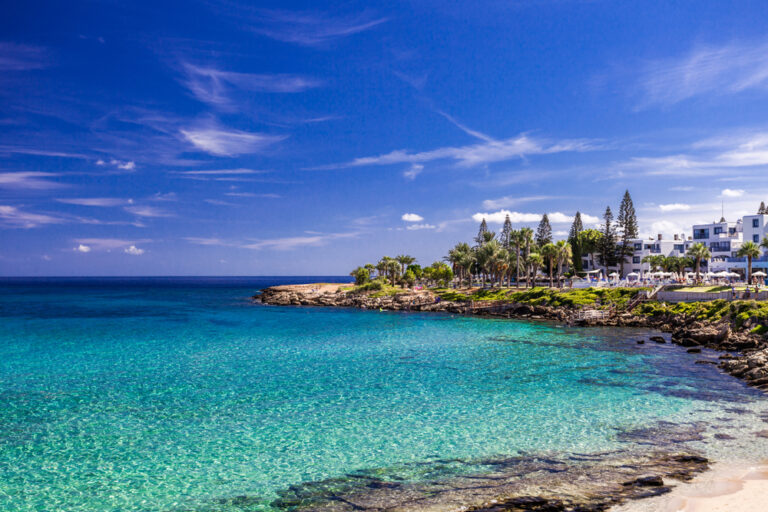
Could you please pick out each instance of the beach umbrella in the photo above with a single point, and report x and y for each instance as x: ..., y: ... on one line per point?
x: 759, y: 273
x: 635, y: 274
x: 614, y: 274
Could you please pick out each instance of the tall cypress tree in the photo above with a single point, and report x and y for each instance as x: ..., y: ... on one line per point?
x: 627, y: 224
x: 573, y: 238
x: 544, y: 232
x: 480, y: 238
x: 762, y: 210
x: 505, y: 232
x: 608, y: 242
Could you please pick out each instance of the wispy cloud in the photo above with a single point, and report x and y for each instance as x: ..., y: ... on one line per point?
x: 220, y: 172
x: 96, y: 201
x: 728, y: 192
x: 413, y: 171
x: 252, y: 194
x: 475, y: 154
x: 314, y: 239
x: 221, y: 142
x: 29, y: 180
x: 498, y: 217
x: 289, y: 243
x: 465, y: 129
x: 11, y: 216
x: 414, y: 227
x: 310, y: 28
x: 147, y: 211
x: 217, y: 87
x: 21, y: 57
x: 714, y: 70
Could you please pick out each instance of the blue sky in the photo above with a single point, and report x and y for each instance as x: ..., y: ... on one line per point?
x: 219, y: 137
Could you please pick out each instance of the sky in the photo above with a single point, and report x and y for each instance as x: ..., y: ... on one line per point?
x: 224, y: 137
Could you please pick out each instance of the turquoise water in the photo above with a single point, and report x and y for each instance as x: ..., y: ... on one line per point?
x: 165, y: 395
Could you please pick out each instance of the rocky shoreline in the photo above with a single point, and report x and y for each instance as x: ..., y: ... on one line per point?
x: 745, y: 357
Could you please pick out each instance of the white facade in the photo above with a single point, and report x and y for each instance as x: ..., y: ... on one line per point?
x: 755, y: 228
x: 675, y: 246
x: 723, y: 239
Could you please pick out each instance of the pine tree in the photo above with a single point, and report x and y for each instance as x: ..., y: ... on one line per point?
x: 480, y: 238
x: 573, y: 238
x: 762, y: 210
x: 505, y: 233
x: 544, y: 232
x: 627, y: 224
x: 608, y: 241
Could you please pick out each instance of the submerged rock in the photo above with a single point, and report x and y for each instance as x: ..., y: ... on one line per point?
x: 587, y: 483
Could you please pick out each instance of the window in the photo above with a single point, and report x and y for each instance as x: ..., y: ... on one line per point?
x: 679, y: 248
x: 718, y: 230
x: 755, y: 223
x: 699, y: 234
x: 635, y: 259
x: 638, y: 247
x: 756, y: 239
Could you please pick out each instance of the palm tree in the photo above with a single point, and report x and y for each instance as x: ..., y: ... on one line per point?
x: 764, y: 243
x: 698, y: 252
x: 488, y: 259
x: 534, y: 261
x: 462, y: 258
x: 526, y: 241
x: 564, y: 257
x: 404, y: 260
x: 654, y: 260
x: 590, y: 243
x: 516, y: 237
x: 549, y: 253
x: 750, y: 250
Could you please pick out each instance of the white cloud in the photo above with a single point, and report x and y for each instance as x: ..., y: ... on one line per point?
x: 674, y: 207
x: 126, y: 166
x: 222, y: 142
x: 714, y: 70
x: 96, y: 201
x: 413, y: 171
x: 109, y: 244
x: 475, y: 154
x: 420, y: 226
x: 289, y: 243
x: 147, y: 211
x: 727, y: 192
x: 309, y: 28
x: 217, y: 87
x: 218, y: 172
x: 133, y: 250
x: 83, y: 248
x: 11, y: 216
x: 412, y: 217
x: 29, y: 180
x: 498, y: 217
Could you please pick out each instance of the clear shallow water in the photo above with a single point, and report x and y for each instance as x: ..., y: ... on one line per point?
x: 177, y: 394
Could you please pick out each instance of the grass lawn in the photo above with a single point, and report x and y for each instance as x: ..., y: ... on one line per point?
x: 708, y: 289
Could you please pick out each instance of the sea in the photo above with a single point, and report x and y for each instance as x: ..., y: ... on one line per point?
x: 182, y: 394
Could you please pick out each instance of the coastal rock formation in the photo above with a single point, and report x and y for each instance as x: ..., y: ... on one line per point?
x: 752, y: 367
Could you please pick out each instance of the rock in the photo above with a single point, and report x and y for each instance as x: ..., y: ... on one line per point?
x: 762, y: 433
x: 694, y: 350
x: 646, y: 481
x: 658, y: 339
x: 640, y: 342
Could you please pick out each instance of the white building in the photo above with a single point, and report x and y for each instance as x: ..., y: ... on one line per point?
x: 755, y: 229
x: 675, y: 246
x: 723, y: 239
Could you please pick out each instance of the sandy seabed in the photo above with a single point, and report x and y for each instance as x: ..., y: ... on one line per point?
x: 726, y: 488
